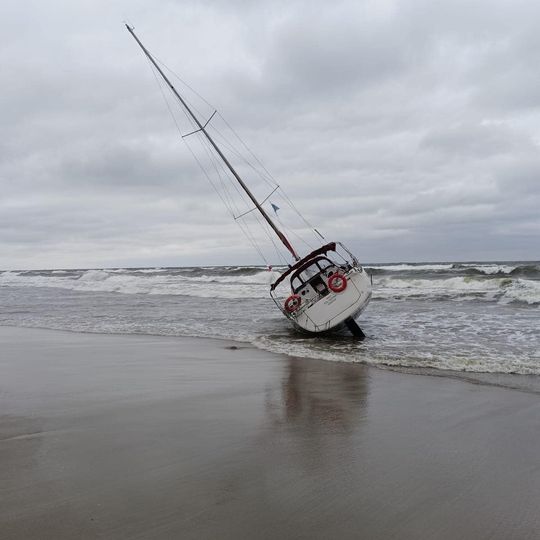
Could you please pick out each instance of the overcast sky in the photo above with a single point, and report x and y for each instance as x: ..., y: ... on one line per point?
x: 408, y: 129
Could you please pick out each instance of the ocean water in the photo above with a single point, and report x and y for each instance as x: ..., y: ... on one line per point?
x: 452, y: 317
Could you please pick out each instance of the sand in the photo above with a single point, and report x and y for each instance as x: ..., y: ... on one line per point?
x: 151, y: 437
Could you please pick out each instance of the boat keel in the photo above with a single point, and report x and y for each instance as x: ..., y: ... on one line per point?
x: 354, y: 329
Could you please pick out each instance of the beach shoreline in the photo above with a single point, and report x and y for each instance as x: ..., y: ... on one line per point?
x: 136, y: 436
x: 512, y: 381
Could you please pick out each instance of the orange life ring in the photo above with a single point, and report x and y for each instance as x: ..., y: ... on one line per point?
x: 337, y: 282
x: 293, y: 303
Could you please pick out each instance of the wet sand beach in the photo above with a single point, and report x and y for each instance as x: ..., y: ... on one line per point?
x: 112, y: 436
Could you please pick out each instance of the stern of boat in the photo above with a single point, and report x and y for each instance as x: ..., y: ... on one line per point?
x: 332, y: 310
x: 323, y: 293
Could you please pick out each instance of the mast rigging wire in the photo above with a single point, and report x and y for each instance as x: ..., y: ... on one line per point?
x: 229, y: 204
x: 226, y: 197
x: 269, y: 178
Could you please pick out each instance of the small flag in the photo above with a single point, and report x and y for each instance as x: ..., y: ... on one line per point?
x: 276, y: 208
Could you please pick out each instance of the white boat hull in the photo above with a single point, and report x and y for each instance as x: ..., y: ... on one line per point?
x: 331, y: 311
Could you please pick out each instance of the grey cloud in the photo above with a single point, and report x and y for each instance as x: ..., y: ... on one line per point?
x: 408, y: 128
x: 476, y: 141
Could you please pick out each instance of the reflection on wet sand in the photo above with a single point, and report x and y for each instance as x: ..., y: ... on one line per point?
x: 147, y: 437
x: 319, y: 396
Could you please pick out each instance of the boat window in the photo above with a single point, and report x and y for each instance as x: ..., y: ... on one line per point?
x: 307, y: 274
x: 324, y: 264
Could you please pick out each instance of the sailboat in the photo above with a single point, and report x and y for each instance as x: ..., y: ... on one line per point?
x: 322, y: 291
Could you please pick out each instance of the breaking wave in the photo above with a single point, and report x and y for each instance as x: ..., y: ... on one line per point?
x: 502, y: 290
x: 409, y: 267
x: 484, y: 361
x: 531, y: 270
x: 200, y: 282
x: 495, y: 282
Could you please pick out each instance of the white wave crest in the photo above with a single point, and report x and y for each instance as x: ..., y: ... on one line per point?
x: 410, y: 267
x: 483, y: 268
x: 490, y: 269
x: 485, y: 362
x: 522, y: 290
x: 254, y: 286
x: 504, y: 290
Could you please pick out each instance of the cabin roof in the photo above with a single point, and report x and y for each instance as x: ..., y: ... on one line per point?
x: 304, y: 262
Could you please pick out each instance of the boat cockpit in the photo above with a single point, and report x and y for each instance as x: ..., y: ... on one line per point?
x: 311, y: 279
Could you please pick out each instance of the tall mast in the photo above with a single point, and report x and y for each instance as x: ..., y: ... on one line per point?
x: 202, y: 128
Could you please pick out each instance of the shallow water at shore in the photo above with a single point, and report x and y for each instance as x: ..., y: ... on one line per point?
x: 457, y: 317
